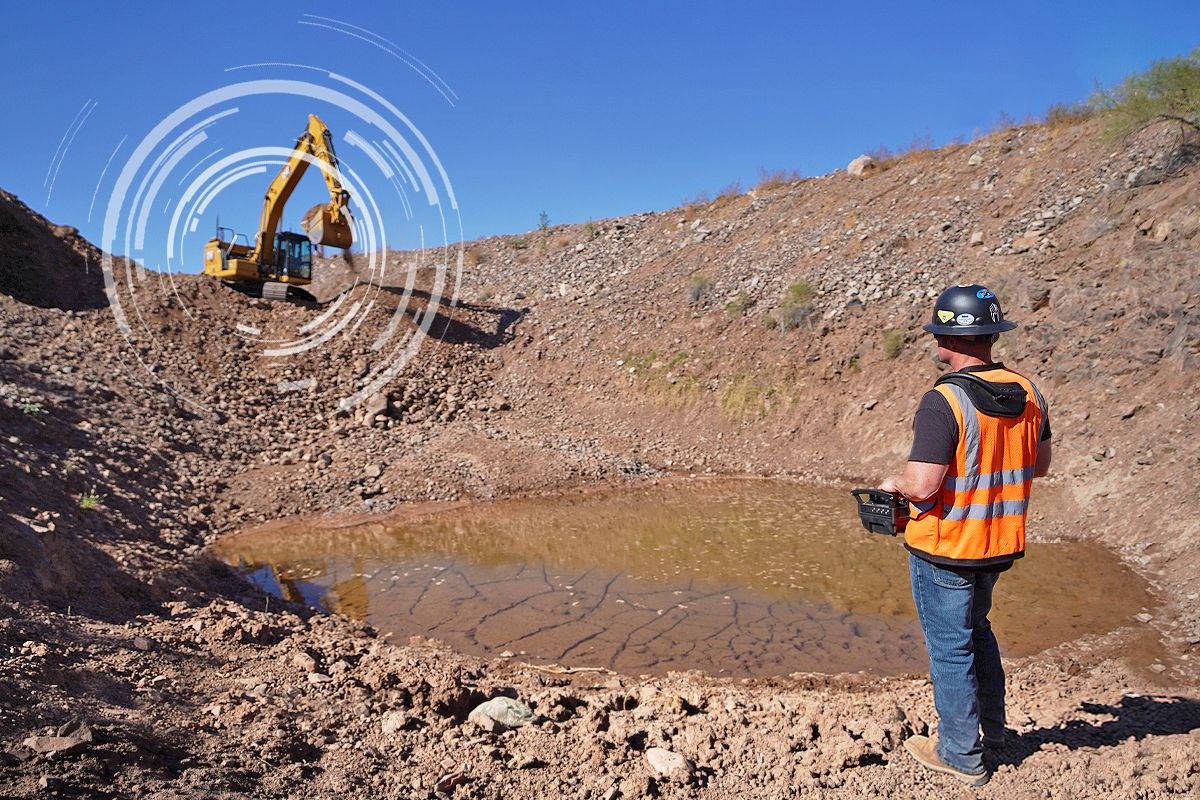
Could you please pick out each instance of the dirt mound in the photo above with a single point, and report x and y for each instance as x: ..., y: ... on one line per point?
x: 46, y: 265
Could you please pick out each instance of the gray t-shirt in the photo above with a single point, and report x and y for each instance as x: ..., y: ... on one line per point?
x: 935, y: 431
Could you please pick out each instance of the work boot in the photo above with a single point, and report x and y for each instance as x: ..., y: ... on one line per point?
x: 924, y: 750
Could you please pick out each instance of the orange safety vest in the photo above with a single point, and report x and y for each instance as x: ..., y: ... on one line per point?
x: 978, y: 517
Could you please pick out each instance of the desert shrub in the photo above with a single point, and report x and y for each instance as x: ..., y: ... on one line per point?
x: 730, y: 190
x: 1169, y: 90
x: 893, y: 343
x: 90, y: 500
x: 543, y: 222
x: 590, y: 230
x: 472, y: 258
x: 1064, y: 114
x: 796, y: 306
x: 30, y: 407
x: 883, y: 154
x: 800, y: 292
x: 700, y: 198
x: 520, y: 243
x: 773, y: 179
x: 698, y: 286
x: 739, y: 305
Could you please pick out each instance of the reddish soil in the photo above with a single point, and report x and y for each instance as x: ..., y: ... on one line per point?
x: 608, y: 353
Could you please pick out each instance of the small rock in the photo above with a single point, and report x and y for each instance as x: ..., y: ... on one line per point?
x: 450, y: 780
x: 1129, y: 410
x: 1144, y: 176
x: 1144, y: 617
x: 668, y: 762
x: 394, y: 720
x: 318, y: 677
x: 976, y: 239
x: 975, y: 160
x: 1025, y: 242
x: 142, y: 643
x: 1158, y: 667
x: 305, y: 662
x: 377, y: 405
x: 59, y: 745
x: 501, y: 713
x: 611, y: 794
x: 525, y: 761
x: 373, y: 470
x: 50, y: 782
x: 870, y: 404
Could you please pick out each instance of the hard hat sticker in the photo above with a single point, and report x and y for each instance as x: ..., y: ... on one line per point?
x: 965, y: 319
x: 994, y: 310
x: 984, y: 294
x: 944, y: 315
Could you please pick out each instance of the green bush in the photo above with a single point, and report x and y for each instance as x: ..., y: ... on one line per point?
x: 1169, y: 90
x: 30, y: 407
x: 739, y: 305
x: 893, y: 343
x: 89, y: 500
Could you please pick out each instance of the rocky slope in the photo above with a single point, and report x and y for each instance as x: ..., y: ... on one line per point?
x: 614, y: 351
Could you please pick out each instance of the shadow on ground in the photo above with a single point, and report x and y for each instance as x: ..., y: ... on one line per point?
x: 1135, y: 717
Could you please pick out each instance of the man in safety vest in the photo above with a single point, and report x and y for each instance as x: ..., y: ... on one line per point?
x: 980, y: 437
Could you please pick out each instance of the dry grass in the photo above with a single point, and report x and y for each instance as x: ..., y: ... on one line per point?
x: 747, y: 397
x: 893, y: 343
x: 666, y: 380
x: 887, y: 157
x: 773, y: 179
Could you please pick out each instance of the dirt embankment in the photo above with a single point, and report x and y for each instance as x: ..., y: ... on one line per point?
x: 619, y: 350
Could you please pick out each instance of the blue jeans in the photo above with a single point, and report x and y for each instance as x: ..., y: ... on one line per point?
x: 964, y: 660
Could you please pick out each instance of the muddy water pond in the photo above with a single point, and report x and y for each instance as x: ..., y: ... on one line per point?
x: 744, y: 578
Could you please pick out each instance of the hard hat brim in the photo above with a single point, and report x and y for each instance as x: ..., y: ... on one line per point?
x: 970, y: 330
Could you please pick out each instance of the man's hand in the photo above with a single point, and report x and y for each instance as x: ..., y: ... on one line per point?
x: 891, y: 484
x: 920, y: 480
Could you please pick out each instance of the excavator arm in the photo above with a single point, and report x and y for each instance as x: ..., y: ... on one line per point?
x: 325, y: 224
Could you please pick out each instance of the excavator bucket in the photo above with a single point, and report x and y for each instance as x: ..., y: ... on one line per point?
x: 318, y: 223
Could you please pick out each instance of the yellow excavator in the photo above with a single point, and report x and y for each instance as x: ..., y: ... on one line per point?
x: 280, y: 263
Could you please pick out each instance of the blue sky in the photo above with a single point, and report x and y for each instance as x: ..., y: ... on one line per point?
x: 579, y: 110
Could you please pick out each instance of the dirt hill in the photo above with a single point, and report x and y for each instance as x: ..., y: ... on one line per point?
x: 774, y: 333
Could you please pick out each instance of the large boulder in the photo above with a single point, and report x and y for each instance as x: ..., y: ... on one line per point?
x: 863, y: 166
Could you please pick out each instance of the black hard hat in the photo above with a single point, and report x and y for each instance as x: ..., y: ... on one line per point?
x: 968, y: 310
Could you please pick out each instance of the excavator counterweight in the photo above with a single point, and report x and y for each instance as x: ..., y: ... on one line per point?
x: 280, y: 262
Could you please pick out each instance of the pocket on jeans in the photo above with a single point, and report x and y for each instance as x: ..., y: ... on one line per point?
x: 948, y: 579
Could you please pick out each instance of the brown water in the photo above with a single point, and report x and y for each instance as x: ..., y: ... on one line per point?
x: 745, y: 578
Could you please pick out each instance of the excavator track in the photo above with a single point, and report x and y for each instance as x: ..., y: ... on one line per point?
x: 273, y: 290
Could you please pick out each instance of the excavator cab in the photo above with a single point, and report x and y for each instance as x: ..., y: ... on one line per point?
x: 293, y: 257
